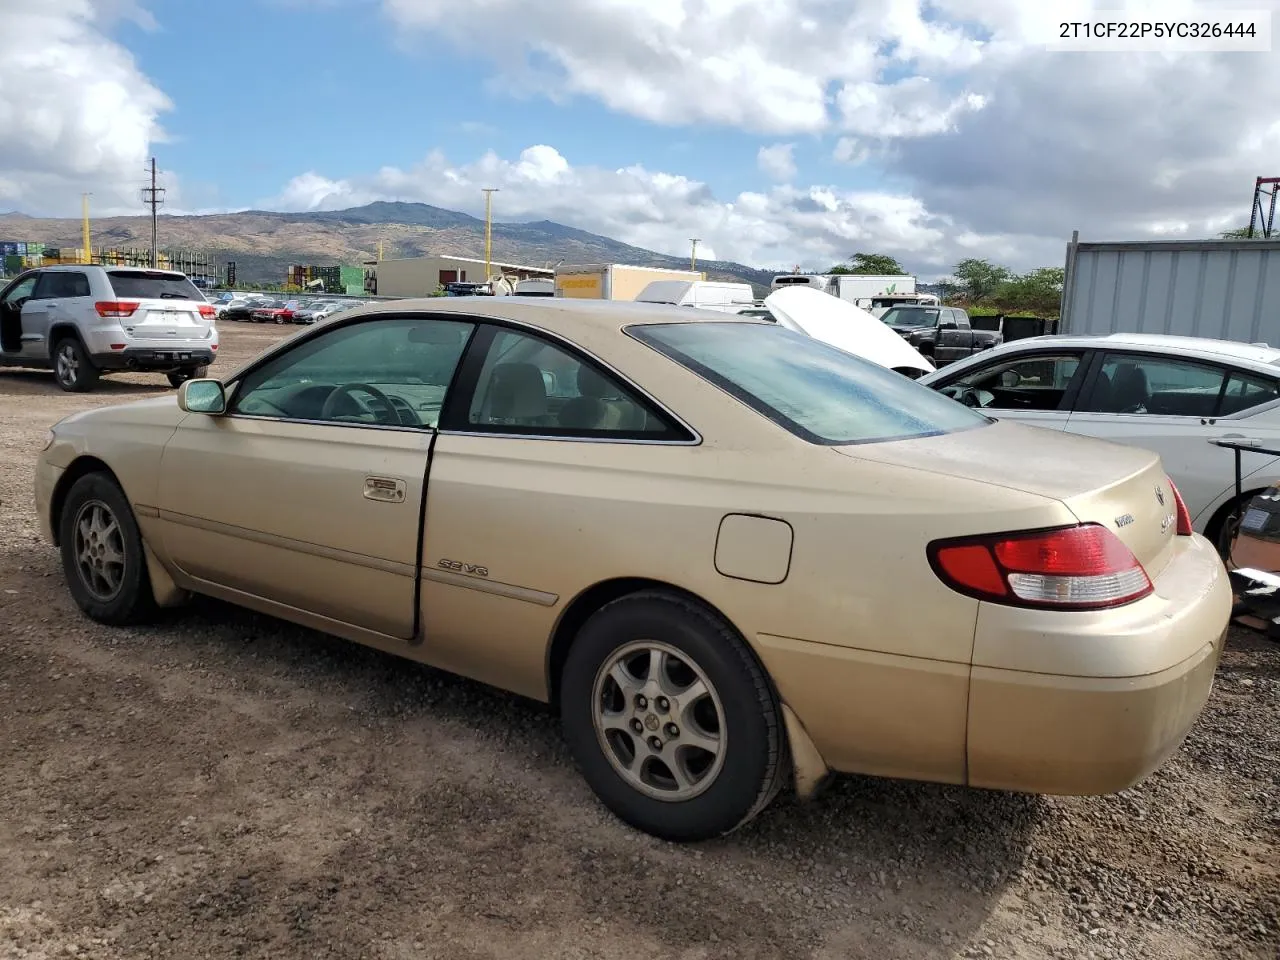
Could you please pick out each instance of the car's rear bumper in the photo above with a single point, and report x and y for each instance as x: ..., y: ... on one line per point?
x: 1143, y: 674
x: 170, y: 356
x: 1055, y: 702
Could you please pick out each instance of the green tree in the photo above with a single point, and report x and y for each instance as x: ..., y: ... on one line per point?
x: 1038, y: 292
x: 977, y: 280
x: 875, y: 263
x: 1240, y: 233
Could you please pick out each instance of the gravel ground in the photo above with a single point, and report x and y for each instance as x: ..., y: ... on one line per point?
x: 227, y: 785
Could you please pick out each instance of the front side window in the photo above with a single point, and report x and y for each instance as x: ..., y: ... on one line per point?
x: 821, y: 394
x: 384, y: 372
x: 22, y: 290
x: 1156, y: 386
x: 530, y: 385
x: 1038, y: 382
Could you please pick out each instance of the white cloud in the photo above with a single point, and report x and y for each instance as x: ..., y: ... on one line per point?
x: 814, y: 226
x: 77, y: 113
x: 778, y: 162
x: 957, y: 103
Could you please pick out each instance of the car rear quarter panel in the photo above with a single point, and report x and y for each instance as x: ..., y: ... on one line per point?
x: 861, y: 639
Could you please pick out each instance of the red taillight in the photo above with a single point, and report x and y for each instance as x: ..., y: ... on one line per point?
x: 214, y: 347
x: 1085, y: 567
x: 116, y: 308
x: 1181, y: 511
x: 208, y: 311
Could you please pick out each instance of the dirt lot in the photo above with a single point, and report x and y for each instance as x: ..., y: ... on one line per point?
x: 226, y: 785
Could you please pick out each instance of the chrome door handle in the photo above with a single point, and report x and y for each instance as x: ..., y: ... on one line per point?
x: 384, y: 489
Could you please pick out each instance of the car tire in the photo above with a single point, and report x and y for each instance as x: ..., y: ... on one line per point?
x: 683, y: 792
x: 179, y: 377
x: 72, y: 367
x: 102, y: 553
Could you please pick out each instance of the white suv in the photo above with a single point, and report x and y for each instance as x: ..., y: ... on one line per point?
x: 84, y: 320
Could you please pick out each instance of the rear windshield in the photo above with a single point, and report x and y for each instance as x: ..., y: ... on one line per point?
x: 145, y: 285
x: 821, y: 394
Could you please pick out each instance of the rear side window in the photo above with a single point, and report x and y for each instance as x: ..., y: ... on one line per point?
x: 820, y: 394
x: 152, y: 285
x: 1245, y: 391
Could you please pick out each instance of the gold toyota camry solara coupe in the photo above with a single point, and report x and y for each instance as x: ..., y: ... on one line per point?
x: 731, y: 556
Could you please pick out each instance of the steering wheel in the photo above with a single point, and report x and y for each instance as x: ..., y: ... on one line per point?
x: 331, y: 402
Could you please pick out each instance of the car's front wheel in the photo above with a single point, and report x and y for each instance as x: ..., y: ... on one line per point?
x: 102, y: 553
x: 671, y: 718
x: 72, y: 367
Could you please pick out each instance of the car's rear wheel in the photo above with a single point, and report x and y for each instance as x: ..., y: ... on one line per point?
x: 72, y: 367
x: 671, y: 718
x: 102, y: 553
x: 179, y: 377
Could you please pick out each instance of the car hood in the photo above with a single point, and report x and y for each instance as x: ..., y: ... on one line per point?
x: 844, y: 326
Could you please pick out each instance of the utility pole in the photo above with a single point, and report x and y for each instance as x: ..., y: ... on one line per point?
x: 693, y: 257
x: 488, y: 231
x: 153, y: 196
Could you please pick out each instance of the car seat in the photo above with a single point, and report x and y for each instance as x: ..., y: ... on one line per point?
x: 589, y: 410
x: 517, y: 395
x: 1129, y: 391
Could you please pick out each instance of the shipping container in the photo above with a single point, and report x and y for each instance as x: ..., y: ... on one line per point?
x: 1223, y: 289
x: 13, y: 264
x: 8, y: 248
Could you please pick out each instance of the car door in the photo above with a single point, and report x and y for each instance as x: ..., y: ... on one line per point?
x: 1036, y: 387
x: 535, y: 457
x: 1171, y: 405
x: 308, y: 492
x: 14, y: 299
x: 38, y: 312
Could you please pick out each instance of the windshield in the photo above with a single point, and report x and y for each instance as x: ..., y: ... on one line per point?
x: 912, y: 317
x: 137, y: 285
x: 821, y: 394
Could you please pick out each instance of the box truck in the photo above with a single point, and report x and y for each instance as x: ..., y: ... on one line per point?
x: 613, y: 281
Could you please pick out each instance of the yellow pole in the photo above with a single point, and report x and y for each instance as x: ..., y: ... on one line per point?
x: 693, y: 255
x: 84, y: 208
x: 488, y: 232
x: 379, y: 250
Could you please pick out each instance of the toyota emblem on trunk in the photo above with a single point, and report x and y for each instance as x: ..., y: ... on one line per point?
x: 1160, y: 496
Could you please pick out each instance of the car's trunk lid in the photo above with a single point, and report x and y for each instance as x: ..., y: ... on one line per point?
x: 1125, y: 489
x: 168, y: 305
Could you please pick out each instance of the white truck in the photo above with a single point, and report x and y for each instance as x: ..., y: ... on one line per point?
x: 704, y: 294
x: 860, y: 289
x: 612, y: 281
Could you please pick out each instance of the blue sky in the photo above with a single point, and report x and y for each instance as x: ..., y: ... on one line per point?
x: 781, y: 133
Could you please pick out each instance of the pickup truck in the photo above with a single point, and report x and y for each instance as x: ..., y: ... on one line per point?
x: 943, y: 334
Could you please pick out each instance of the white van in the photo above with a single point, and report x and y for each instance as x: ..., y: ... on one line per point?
x: 704, y: 294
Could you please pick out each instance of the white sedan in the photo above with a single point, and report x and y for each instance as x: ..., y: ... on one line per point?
x: 1167, y: 394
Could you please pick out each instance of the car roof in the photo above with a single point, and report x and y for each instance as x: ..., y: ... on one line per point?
x: 569, y: 316
x: 1166, y: 343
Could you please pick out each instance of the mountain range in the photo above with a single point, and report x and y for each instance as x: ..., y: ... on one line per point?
x: 263, y: 243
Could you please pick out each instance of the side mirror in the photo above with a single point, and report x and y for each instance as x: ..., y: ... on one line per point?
x: 202, y: 396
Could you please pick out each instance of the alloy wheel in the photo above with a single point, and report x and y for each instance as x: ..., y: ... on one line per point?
x: 659, y: 720
x: 99, y: 550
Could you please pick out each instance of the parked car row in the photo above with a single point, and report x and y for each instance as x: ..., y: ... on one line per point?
x: 272, y: 309
x: 732, y: 556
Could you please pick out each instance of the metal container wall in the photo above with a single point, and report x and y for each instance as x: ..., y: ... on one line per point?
x: 1225, y: 289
